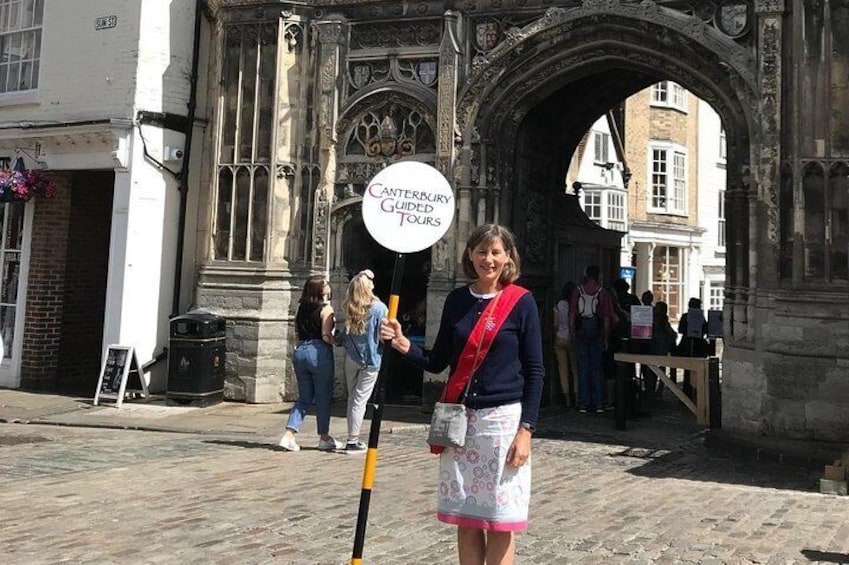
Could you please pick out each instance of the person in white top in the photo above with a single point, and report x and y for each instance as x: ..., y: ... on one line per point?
x: 566, y: 365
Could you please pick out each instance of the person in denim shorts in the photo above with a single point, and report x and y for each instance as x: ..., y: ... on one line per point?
x: 313, y: 364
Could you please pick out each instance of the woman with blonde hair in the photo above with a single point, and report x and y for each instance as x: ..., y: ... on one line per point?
x: 363, y: 312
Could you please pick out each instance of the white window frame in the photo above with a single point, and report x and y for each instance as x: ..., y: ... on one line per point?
x: 591, y: 200
x: 616, y: 211
x: 715, y: 296
x: 668, y: 94
x: 676, y: 177
x: 16, y: 34
x: 601, y: 144
x: 680, y: 285
x: 720, y: 221
x: 10, y: 367
x: 723, y: 150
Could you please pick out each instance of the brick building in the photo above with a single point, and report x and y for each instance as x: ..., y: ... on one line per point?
x: 95, y: 92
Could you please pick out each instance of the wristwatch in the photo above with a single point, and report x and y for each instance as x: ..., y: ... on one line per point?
x: 528, y: 427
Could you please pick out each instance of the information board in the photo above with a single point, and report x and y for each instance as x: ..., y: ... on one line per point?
x: 119, y: 363
x: 642, y: 322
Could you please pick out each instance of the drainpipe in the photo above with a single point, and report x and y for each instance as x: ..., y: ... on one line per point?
x: 183, y: 177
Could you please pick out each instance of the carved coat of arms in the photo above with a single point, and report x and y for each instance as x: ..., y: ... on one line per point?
x: 732, y: 18
x: 427, y: 72
x: 360, y: 75
x: 486, y: 35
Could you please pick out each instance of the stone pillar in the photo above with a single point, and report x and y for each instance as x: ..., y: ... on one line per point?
x: 331, y: 35
x: 443, y: 256
x: 767, y: 167
x: 449, y: 54
x: 290, y: 106
x: 694, y: 268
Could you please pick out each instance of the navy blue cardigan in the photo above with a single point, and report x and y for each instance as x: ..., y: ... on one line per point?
x: 511, y: 372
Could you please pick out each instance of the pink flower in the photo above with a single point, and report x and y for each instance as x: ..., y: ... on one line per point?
x: 22, y: 186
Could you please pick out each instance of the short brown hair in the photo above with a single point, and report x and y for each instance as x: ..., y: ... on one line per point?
x: 485, y: 234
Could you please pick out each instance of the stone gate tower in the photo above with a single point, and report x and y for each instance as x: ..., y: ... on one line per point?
x: 314, y: 97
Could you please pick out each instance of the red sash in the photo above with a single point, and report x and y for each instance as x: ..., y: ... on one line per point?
x: 478, y: 344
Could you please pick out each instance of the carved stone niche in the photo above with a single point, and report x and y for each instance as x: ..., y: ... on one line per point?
x: 391, y: 131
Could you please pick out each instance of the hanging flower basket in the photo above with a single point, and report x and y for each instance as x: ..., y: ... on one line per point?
x: 21, y: 186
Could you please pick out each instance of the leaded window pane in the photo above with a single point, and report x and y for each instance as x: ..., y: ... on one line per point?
x: 246, y: 128
x: 266, y: 97
x: 787, y: 221
x: 838, y: 226
x: 813, y: 81
x: 259, y: 214
x: 840, y: 78
x: 246, y: 141
x: 224, y: 209
x: 814, y: 195
x: 240, y: 214
x: 230, y: 108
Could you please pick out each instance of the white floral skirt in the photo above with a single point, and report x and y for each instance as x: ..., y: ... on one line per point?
x: 476, y: 487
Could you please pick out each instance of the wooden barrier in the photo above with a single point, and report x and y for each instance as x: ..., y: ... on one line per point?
x: 701, y: 370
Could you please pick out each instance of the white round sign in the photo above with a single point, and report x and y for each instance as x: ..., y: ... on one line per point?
x: 408, y: 206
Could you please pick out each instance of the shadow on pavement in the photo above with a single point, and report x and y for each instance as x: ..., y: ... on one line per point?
x: 659, y: 424
x: 825, y: 556
x: 245, y: 444
x: 672, y: 445
x: 266, y: 446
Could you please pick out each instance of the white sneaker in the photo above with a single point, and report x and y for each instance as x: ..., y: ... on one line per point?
x: 356, y: 446
x: 330, y: 444
x: 289, y: 444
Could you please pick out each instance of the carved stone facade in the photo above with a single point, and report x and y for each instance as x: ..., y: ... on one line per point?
x: 496, y: 94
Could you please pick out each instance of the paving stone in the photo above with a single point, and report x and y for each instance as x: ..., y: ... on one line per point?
x: 123, y: 496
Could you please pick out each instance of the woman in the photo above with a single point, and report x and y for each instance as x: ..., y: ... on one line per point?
x: 563, y: 345
x: 693, y: 333
x: 484, y: 489
x: 363, y: 311
x: 662, y: 342
x: 313, y: 363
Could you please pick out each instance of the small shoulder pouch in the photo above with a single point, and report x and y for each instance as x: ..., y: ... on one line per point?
x: 450, y: 419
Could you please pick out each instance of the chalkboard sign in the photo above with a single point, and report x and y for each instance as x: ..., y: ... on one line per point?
x: 119, y: 364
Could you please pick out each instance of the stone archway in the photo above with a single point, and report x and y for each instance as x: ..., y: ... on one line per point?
x: 545, y: 85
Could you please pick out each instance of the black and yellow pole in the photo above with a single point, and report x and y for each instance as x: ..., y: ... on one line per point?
x: 377, y: 415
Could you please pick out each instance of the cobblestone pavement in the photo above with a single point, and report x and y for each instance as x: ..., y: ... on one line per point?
x: 81, y: 495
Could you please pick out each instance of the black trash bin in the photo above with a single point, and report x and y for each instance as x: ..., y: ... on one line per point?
x: 196, y: 358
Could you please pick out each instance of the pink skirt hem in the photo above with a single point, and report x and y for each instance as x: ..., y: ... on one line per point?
x: 466, y: 522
